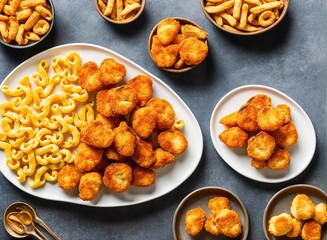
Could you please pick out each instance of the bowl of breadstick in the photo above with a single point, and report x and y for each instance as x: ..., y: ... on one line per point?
x: 245, y: 17
x: 120, y: 11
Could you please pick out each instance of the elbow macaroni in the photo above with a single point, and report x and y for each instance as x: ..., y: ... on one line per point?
x: 41, y: 125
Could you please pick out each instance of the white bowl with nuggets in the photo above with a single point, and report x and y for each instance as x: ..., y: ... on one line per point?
x: 245, y: 17
x: 177, y: 44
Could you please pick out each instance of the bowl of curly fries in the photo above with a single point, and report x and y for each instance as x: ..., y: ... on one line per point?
x: 120, y: 11
x: 245, y: 17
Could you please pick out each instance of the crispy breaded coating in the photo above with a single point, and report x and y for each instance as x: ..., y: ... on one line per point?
x: 279, y: 160
x: 286, y: 135
x: 178, y: 39
x: 143, y: 177
x: 90, y: 185
x: 163, y: 56
x: 112, y: 154
x: 124, y: 141
x: 87, y: 157
x: 229, y: 120
x: 167, y: 30
x: 143, y: 121
x: 111, y: 122
x: 142, y: 85
x: 228, y: 222
x: 261, y: 146
x: 311, y: 230
x: 122, y: 99
x: 194, y: 220
x: 280, y: 225
x: 89, y: 78
x: 320, y: 215
x: 111, y: 71
x: 143, y: 154
x: 192, y: 51
x: 296, y: 229
x: 215, y: 204
x: 117, y: 177
x: 234, y: 137
x: 286, y: 111
x: 172, y: 141
x: 101, y: 166
x: 247, y: 118
x: 97, y: 134
x: 102, y: 104
x: 210, y: 225
x: 302, y: 207
x: 189, y: 30
x: 68, y: 177
x: 153, y: 138
x: 166, y: 113
x: 260, y: 101
x: 162, y: 158
x: 258, y: 164
x: 270, y: 119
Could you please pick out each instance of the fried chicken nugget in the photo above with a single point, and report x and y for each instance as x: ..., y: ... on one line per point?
x: 215, y: 204
x: 279, y: 160
x: 172, y: 141
x: 162, y: 158
x: 103, y: 105
x: 111, y: 71
x: 178, y: 39
x: 101, y: 166
x: 124, y: 141
x: 90, y: 185
x: 286, y: 111
x: 143, y: 154
x: 89, y: 78
x: 311, y: 230
x: 280, y: 225
x: 192, y: 51
x: 228, y: 222
x: 259, y: 101
x: 87, y: 157
x: 296, y: 229
x: 167, y: 30
x: 302, y: 207
x: 143, y: 121
x: 247, y: 118
x: 97, y: 134
x: 165, y: 111
x: 261, y: 146
x: 142, y: 84
x: 112, y: 154
x: 234, y: 137
x: 189, y: 30
x: 122, y: 99
x: 68, y: 177
x: 194, y: 220
x: 163, y: 56
x: 320, y: 215
x: 111, y: 122
x: 229, y: 120
x: 143, y: 177
x: 286, y: 135
x: 270, y: 119
x: 210, y: 225
x: 258, y: 164
x: 117, y: 177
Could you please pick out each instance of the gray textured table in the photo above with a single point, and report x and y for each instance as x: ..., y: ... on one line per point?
x: 291, y: 58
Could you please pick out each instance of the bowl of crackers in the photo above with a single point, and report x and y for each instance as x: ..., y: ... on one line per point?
x: 120, y: 11
x: 177, y: 44
x: 245, y: 17
x: 25, y: 23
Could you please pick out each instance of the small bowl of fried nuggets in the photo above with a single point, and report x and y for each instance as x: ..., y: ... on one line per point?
x: 177, y: 44
x: 132, y: 135
x: 245, y: 17
x: 265, y: 130
x: 120, y: 11
x: 25, y: 23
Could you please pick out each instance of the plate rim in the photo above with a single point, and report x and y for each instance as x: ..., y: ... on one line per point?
x: 260, y: 87
x: 90, y: 46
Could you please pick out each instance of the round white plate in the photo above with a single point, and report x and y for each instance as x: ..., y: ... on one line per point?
x: 301, y: 153
x: 167, y: 178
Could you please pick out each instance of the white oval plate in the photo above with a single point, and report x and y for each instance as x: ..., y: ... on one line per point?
x: 167, y: 178
x: 301, y: 153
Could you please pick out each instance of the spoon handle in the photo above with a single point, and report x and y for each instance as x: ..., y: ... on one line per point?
x: 41, y: 223
x: 38, y: 232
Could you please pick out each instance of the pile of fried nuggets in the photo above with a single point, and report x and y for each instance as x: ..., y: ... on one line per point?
x: 132, y: 135
x: 266, y: 130
x: 222, y: 219
x: 176, y: 45
x: 306, y: 219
